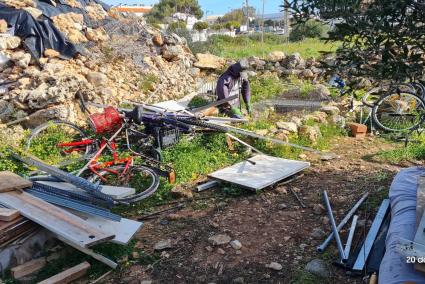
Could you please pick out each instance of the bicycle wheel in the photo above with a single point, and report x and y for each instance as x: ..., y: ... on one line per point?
x: 144, y: 179
x: 45, y: 142
x: 400, y: 111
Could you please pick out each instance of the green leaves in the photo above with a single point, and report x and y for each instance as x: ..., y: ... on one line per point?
x: 384, y: 39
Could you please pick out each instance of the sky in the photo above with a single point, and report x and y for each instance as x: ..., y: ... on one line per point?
x: 215, y: 7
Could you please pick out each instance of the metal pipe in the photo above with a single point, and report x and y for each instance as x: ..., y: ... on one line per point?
x: 344, y: 221
x: 334, y: 228
x: 350, y: 236
x: 244, y: 143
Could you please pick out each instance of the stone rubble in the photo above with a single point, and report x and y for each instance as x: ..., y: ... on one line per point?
x: 126, y: 59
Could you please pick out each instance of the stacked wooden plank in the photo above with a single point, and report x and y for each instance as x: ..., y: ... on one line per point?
x: 23, y: 213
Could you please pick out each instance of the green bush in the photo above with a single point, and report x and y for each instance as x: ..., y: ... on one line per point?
x: 217, y: 27
x: 176, y: 26
x: 309, y: 29
x: 199, y: 26
x: 232, y: 25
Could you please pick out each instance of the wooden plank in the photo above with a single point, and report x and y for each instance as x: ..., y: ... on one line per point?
x: 91, y: 253
x: 259, y: 171
x: 55, y: 219
x: 28, y: 268
x: 68, y: 275
x: 10, y: 181
x: 5, y: 225
x: 7, y: 214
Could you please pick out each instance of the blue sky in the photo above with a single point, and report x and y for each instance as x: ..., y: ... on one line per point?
x: 215, y: 7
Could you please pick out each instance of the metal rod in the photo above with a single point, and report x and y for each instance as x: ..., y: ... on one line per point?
x: 344, y: 221
x: 213, y: 104
x: 350, y: 236
x: 371, y: 235
x: 274, y: 140
x: 217, y: 118
x: 298, y: 198
x: 244, y: 143
x: 334, y: 228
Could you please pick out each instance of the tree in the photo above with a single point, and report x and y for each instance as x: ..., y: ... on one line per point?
x: 382, y: 38
x: 232, y: 25
x: 309, y: 29
x: 166, y: 8
x: 238, y: 15
x: 199, y: 26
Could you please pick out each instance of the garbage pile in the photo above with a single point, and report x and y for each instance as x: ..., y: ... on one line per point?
x: 51, y: 49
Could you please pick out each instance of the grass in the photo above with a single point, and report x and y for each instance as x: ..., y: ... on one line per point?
x: 411, y: 152
x: 244, y: 46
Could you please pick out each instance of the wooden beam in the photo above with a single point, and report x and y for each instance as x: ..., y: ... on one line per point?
x: 55, y: 219
x: 7, y: 214
x: 28, y: 268
x: 10, y: 181
x: 68, y: 275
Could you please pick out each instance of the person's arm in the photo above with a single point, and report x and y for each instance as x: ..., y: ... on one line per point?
x: 246, y: 95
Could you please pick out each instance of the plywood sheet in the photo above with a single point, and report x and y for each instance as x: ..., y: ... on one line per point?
x: 55, y: 219
x: 10, y: 181
x: 259, y: 172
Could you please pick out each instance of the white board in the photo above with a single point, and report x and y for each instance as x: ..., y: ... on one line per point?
x: 123, y: 230
x: 171, y: 105
x: 266, y: 171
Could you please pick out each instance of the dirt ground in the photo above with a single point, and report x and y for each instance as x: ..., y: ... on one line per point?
x: 271, y: 225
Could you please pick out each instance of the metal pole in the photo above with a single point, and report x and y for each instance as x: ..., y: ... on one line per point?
x: 262, y: 29
x: 350, y: 236
x: 344, y: 221
x: 244, y: 143
x: 334, y: 228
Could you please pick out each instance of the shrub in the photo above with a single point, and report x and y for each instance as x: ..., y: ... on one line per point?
x: 176, y: 25
x: 309, y: 29
x: 199, y: 26
x: 232, y: 25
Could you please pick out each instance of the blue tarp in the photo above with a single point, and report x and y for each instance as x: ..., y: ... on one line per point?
x: 394, y: 269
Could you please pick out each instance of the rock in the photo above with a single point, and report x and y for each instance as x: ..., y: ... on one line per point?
x: 298, y: 121
x: 302, y: 156
x: 181, y: 192
x: 146, y: 282
x: 163, y: 244
x: 318, y: 234
x: 289, y: 126
x: 307, y: 74
x: 171, y: 52
x: 21, y: 59
x: 276, y: 56
x: 4, y: 61
x: 236, y: 244
x: 319, y: 92
x: 9, y: 42
x: 318, y: 209
x: 220, y: 239
x: 51, y: 53
x: 194, y: 72
x: 329, y: 156
x: 330, y: 110
x: 157, y: 39
x: 3, y: 26
x: 337, y: 120
x: 363, y: 83
x: 208, y: 248
x: 325, y: 220
x: 97, y: 35
x: 282, y: 206
x: 209, y: 61
x: 221, y: 251
x: 275, y: 266
x: 97, y: 79
x: 312, y: 133
x: 239, y: 280
x: 318, y: 267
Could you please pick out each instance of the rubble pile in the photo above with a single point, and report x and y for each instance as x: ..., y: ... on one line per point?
x: 123, y: 58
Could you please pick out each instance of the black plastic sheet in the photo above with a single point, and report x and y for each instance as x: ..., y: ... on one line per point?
x: 41, y: 34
